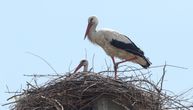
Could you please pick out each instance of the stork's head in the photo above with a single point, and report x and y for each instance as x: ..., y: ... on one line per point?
x: 83, y: 63
x: 92, y: 21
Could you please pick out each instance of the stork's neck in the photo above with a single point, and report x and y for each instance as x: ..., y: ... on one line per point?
x: 85, y: 69
x: 92, y: 33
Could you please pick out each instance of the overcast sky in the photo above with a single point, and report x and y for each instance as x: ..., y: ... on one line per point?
x: 54, y: 30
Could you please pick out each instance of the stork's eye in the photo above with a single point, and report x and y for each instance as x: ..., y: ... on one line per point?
x: 91, y: 20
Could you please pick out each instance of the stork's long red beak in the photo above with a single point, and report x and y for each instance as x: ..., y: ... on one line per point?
x: 87, y: 29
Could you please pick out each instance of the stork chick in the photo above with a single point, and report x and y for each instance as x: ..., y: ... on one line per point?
x: 84, y: 64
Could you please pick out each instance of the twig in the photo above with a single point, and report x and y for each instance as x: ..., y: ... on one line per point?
x: 43, y: 60
x: 31, y: 85
x: 69, y: 67
x: 57, y: 105
x: 93, y: 62
x: 159, y: 66
x: 162, y: 78
x: 42, y: 75
x: 10, y: 103
x: 88, y: 87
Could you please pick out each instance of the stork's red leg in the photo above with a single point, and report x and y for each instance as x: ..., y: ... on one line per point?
x: 116, y: 64
x: 133, y: 58
x: 115, y: 67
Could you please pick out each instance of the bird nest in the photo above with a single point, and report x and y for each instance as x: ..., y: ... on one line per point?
x: 81, y: 91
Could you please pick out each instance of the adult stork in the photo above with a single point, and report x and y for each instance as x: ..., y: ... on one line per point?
x: 115, y: 45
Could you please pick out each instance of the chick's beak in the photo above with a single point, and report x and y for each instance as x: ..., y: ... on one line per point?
x: 78, y: 67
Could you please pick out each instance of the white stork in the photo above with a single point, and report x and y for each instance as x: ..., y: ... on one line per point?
x: 83, y: 63
x: 115, y: 45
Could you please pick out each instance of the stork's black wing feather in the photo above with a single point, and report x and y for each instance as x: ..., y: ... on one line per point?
x: 129, y: 47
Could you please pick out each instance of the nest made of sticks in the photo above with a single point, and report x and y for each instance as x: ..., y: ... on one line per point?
x: 80, y: 91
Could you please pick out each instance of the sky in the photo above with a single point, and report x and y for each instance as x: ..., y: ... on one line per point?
x: 54, y: 30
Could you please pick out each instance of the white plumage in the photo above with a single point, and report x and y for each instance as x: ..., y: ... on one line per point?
x: 115, y: 45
